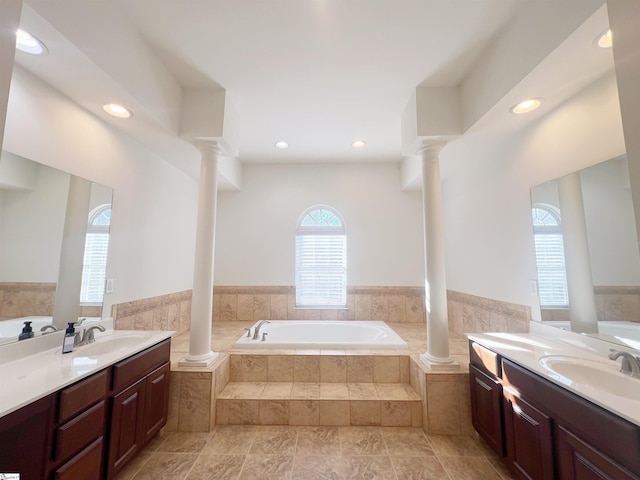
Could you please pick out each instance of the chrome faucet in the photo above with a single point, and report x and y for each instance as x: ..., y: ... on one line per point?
x: 256, y: 332
x: 630, y: 364
x: 87, y: 336
x: 48, y: 327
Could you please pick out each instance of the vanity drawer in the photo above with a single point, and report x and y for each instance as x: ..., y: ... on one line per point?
x: 484, y: 359
x: 86, y: 465
x: 77, y: 433
x: 83, y: 394
x: 132, y: 369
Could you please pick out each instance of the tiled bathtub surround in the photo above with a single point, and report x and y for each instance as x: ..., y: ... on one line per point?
x: 390, y: 304
x: 321, y: 387
x: 25, y: 299
x: 165, y: 312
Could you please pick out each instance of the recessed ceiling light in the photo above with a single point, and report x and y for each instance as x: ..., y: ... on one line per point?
x: 358, y: 144
x: 117, y: 110
x: 526, y: 106
x: 282, y: 144
x: 605, y: 39
x: 25, y: 42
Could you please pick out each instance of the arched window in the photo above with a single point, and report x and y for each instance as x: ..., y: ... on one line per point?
x: 94, y: 269
x: 552, y: 275
x: 321, y: 258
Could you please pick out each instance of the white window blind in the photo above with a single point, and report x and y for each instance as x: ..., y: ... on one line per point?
x: 321, y: 259
x: 94, y: 270
x: 552, y: 276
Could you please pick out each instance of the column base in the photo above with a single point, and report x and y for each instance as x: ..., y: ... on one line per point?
x: 439, y: 363
x: 201, y: 361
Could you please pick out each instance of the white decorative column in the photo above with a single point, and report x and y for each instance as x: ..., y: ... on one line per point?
x: 437, y: 353
x: 583, y: 313
x: 200, y: 354
x: 74, y: 236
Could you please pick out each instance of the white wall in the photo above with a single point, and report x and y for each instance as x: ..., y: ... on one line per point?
x: 486, y: 184
x: 154, y: 204
x: 255, y: 231
x: 31, y: 228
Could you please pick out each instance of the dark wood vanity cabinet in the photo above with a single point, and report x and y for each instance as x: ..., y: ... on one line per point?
x: 486, y: 405
x: 140, y: 404
x: 25, y: 436
x: 92, y: 428
x: 549, y: 432
x: 529, y: 438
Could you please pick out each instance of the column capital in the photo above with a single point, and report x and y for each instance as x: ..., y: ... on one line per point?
x: 431, y: 146
x: 208, y: 147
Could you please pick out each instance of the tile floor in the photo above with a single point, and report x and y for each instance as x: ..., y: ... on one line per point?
x: 314, y: 453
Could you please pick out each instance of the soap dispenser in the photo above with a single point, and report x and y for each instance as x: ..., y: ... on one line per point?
x: 69, y: 338
x: 27, y: 331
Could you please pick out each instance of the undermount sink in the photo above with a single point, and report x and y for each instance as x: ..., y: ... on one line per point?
x: 110, y: 344
x: 593, y: 374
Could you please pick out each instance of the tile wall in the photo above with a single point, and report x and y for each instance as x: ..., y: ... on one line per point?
x: 613, y: 304
x: 24, y: 299
x: 469, y: 313
x: 390, y: 304
x: 165, y: 312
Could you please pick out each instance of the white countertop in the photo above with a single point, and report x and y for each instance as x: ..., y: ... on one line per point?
x: 528, y: 349
x: 31, y: 377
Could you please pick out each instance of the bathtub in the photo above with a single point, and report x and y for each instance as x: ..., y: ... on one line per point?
x: 328, y: 334
x: 10, y: 329
x: 618, y: 331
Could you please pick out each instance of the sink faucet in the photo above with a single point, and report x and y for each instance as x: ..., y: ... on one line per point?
x: 256, y: 332
x: 48, y: 327
x: 87, y: 336
x: 630, y: 364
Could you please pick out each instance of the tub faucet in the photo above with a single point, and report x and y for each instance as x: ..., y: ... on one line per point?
x: 87, y: 336
x: 256, y: 332
x: 630, y: 364
x: 48, y: 327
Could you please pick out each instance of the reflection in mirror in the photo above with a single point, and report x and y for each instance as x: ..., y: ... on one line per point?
x: 587, y: 253
x: 33, y: 209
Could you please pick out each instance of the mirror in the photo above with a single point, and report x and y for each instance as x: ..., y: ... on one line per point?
x: 34, y: 219
x: 587, y: 253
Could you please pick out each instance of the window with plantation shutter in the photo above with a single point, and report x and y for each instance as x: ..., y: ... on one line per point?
x: 321, y: 258
x: 94, y: 269
x: 552, y: 276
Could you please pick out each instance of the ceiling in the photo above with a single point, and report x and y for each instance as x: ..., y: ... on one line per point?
x: 318, y: 74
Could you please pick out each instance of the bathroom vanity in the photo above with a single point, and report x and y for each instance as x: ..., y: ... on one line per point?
x: 112, y: 399
x: 547, y: 412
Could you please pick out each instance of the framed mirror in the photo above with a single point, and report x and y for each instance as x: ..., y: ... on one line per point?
x: 587, y: 253
x: 33, y: 210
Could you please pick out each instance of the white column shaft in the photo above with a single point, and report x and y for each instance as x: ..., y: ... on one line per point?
x: 66, y: 307
x: 435, y: 285
x: 202, y: 299
x: 583, y: 313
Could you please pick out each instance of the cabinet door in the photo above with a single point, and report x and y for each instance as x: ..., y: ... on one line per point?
x: 24, y: 439
x: 486, y: 408
x: 127, y: 426
x: 157, y: 401
x: 579, y: 461
x: 529, y: 439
